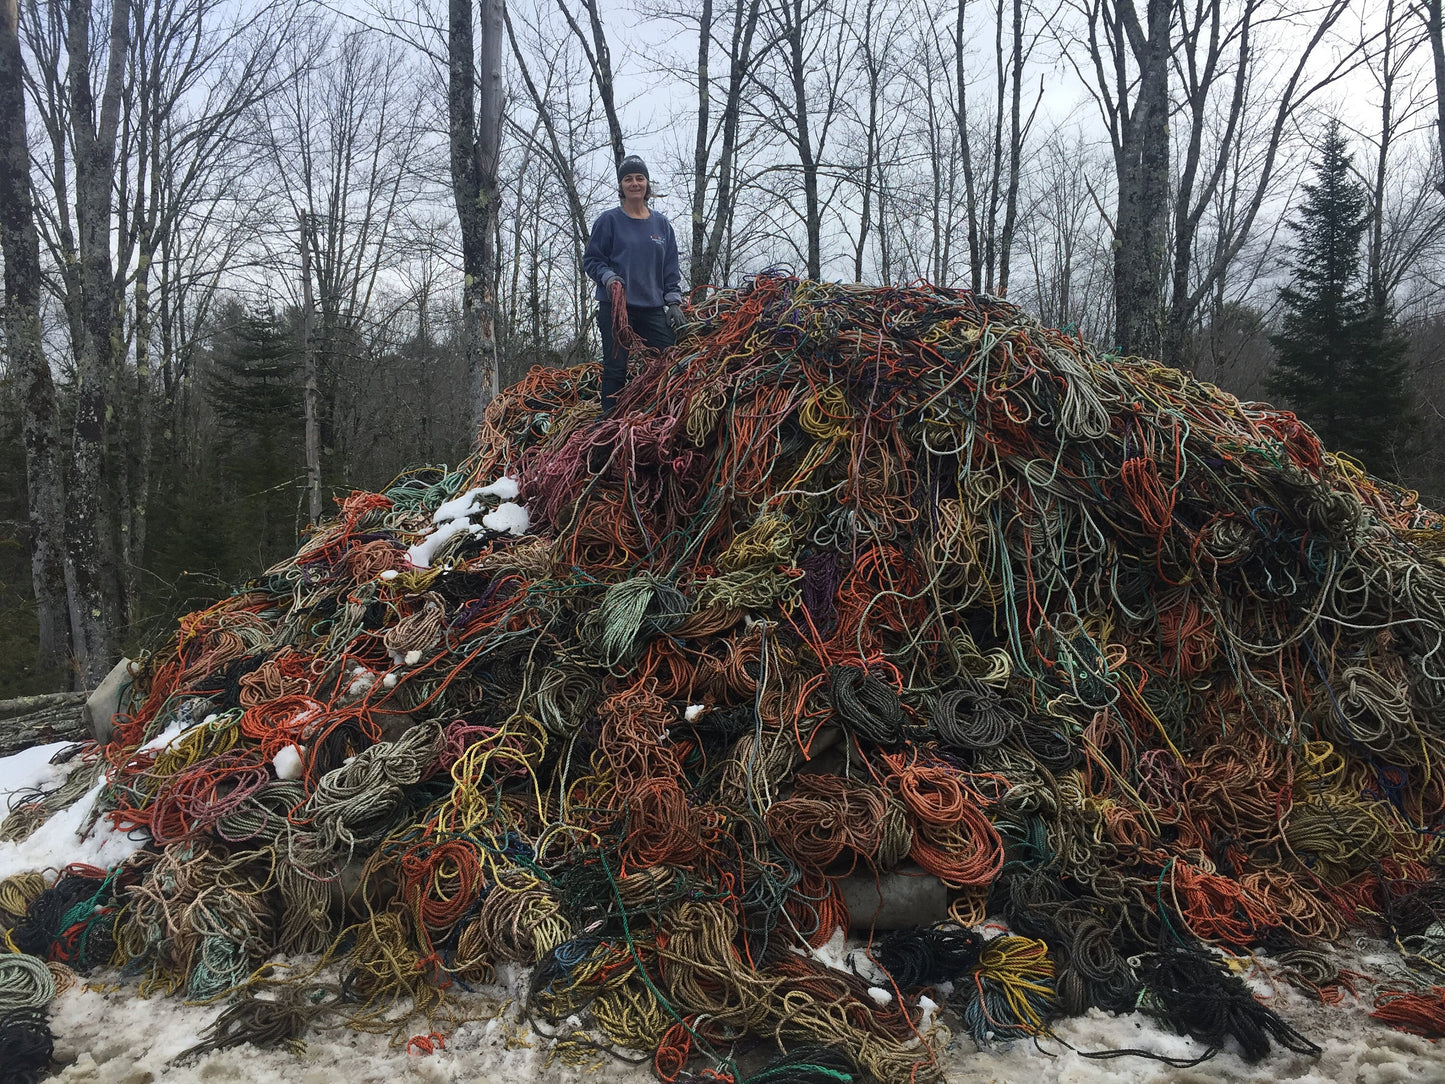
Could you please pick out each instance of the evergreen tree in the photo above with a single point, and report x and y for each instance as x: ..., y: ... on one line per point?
x: 254, y: 387
x: 1339, y: 357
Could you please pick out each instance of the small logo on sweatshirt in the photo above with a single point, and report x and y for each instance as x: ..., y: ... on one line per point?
x: 657, y: 238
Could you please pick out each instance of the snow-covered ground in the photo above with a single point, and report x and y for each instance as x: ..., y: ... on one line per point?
x: 114, y: 1038
x: 105, y: 1034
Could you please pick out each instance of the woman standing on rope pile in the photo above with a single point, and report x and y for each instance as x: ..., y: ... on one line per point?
x: 632, y: 256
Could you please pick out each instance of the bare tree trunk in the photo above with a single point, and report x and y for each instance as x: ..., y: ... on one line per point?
x: 937, y: 212
x: 793, y: 16
x: 700, y: 140
x: 1433, y: 29
x: 872, y: 168
x: 94, y: 600
x: 491, y: 100
x: 1141, y: 155
x: 147, y: 207
x: 1386, y: 73
x: 740, y: 65
x: 970, y: 189
x: 310, y: 386
x: 20, y: 243
x: 995, y: 179
x: 1015, y: 149
x: 475, y: 114
x: 885, y: 250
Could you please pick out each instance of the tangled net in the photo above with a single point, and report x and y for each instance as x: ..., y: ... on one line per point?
x: 852, y: 581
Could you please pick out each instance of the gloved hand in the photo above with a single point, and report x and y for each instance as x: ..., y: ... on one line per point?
x: 618, y: 293
x: 675, y: 318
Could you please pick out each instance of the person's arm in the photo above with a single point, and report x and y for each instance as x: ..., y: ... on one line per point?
x: 671, y: 274
x: 596, y: 261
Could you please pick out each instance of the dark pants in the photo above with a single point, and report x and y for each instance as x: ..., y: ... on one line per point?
x: 650, y: 324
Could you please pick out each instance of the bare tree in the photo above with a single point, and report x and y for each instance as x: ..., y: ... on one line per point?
x: 960, y: 119
x: 20, y: 243
x: 95, y: 603
x: 1210, y: 51
x: 1131, y: 58
x: 1064, y: 240
x: 343, y: 149
x: 555, y: 149
x: 707, y: 240
x: 874, y: 38
x: 802, y: 97
x: 1007, y: 152
x: 474, y: 110
x: 1433, y: 28
x: 196, y: 71
x: 1405, y: 224
x: 137, y: 154
x: 599, y: 60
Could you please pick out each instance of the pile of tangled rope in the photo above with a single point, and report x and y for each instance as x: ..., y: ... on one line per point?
x: 853, y: 583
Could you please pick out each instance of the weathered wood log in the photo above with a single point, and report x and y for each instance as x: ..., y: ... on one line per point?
x: 39, y: 720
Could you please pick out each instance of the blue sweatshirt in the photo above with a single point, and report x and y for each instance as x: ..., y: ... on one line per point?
x: 642, y: 252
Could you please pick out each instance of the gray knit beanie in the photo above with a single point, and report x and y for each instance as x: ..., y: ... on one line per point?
x: 632, y: 164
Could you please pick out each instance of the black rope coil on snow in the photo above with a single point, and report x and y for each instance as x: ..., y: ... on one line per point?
x: 923, y: 956
x: 27, y: 1046
x: 1198, y: 997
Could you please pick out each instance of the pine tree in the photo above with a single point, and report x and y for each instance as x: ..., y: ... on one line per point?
x: 254, y: 387
x: 1339, y: 357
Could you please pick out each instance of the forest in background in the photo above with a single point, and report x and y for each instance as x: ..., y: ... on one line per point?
x: 285, y: 251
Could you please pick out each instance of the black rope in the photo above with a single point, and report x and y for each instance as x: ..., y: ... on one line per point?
x: 866, y: 705
x: 923, y: 956
x: 1199, y: 997
x: 26, y: 1046
x: 40, y: 927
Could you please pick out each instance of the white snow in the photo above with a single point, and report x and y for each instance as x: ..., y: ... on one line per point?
x: 288, y: 763
x: 422, y: 553
x: 31, y: 768
x: 164, y: 739
x: 456, y: 508
x: 508, y: 518
x: 59, y: 840
x: 94, y: 1046
x: 694, y: 712
x: 363, y: 679
x: 454, y: 517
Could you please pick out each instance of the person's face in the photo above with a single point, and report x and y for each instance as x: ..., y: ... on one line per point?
x: 634, y: 185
